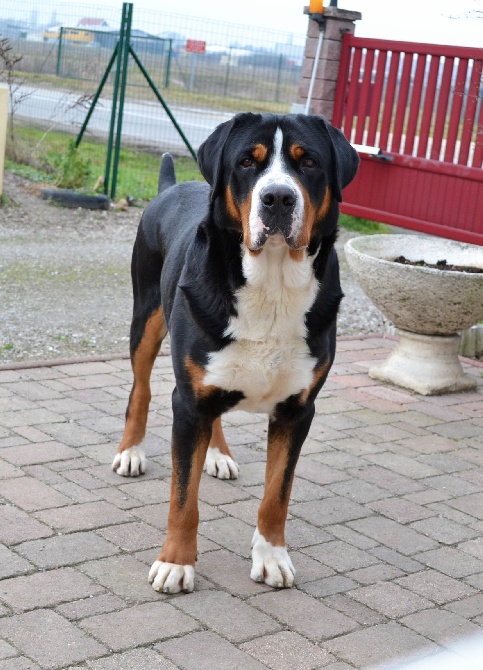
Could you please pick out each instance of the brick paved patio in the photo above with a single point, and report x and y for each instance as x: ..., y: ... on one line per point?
x: 385, y: 528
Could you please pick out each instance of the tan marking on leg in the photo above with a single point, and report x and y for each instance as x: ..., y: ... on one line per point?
x: 142, y: 365
x: 197, y: 374
x: 272, y: 513
x: 180, y: 544
x: 317, y: 375
x: 218, y: 440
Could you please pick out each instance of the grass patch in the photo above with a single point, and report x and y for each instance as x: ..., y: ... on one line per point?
x: 363, y: 226
x: 138, y: 169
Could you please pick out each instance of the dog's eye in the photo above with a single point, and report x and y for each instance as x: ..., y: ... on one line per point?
x: 247, y: 162
x: 307, y: 162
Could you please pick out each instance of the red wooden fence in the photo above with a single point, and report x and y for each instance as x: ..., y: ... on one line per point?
x: 422, y: 105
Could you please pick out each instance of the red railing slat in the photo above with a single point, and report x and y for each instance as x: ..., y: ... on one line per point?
x: 376, y: 98
x: 442, y: 107
x: 428, y: 107
x: 456, y: 107
x: 415, y: 104
x: 402, y: 100
x: 364, y: 93
x: 352, y: 95
x: 389, y: 99
x: 470, y: 111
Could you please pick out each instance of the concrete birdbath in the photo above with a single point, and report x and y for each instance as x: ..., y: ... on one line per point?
x: 428, y: 306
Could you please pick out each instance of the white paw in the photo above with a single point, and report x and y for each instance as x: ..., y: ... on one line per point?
x: 130, y: 462
x: 171, y: 577
x: 271, y: 564
x: 220, y: 465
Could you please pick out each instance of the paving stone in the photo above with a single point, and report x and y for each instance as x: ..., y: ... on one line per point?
x: 64, y: 550
x: 44, y: 452
x: 43, y: 589
x: 303, y: 614
x: 329, y: 511
x: 16, y: 526
x: 320, y: 588
x: 11, y: 564
x: 72, y: 434
x: 299, y: 533
x: 401, y: 538
x: 139, y: 625
x: 358, y: 490
x: 307, y: 569
x: 137, y: 659
x: 392, y: 557
x: 124, y: 576
x: 227, y: 615
x: 455, y: 486
x: 451, y: 562
x: 132, y: 536
x: 473, y: 547
x: 385, y: 479
x: 355, y: 610
x: 375, y: 573
x: 379, y: 644
x: 340, y: 556
x: 44, y: 474
x: 351, y: 537
x: 403, y: 465
x: 286, y: 651
x: 470, y: 504
x: 6, y: 650
x: 9, y: 471
x: 318, y: 473
x: 441, y: 626
x: 30, y: 494
x: 18, y: 663
x: 390, y: 599
x: 401, y: 510
x: 443, y: 530
x: 80, y: 609
x: 435, y: 586
x: 85, y: 516
x: 49, y: 639
x: 230, y: 533
x: 76, y: 493
x: 230, y: 572
x: 206, y: 651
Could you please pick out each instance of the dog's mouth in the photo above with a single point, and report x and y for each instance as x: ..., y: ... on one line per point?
x: 274, y: 240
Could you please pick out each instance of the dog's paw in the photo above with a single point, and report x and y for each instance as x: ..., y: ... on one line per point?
x: 171, y: 577
x: 220, y: 465
x: 271, y: 564
x: 130, y: 462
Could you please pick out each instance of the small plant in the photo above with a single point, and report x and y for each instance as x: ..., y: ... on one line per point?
x: 73, y: 170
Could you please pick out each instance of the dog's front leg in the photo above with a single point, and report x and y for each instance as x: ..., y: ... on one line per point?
x: 271, y: 562
x: 174, y: 569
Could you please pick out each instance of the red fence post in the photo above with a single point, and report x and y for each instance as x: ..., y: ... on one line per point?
x: 337, y: 23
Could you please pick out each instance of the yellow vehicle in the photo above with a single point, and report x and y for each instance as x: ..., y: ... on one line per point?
x: 70, y: 34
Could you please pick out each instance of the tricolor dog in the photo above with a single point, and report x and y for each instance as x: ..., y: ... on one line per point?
x: 243, y: 273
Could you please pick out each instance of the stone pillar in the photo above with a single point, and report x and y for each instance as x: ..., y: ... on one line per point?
x: 337, y: 22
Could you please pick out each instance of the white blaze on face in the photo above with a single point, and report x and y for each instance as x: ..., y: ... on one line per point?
x: 276, y: 174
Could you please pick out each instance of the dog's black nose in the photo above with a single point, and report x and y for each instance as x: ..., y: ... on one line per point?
x: 278, y: 199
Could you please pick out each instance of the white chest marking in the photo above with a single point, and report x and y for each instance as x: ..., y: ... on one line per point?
x: 269, y: 360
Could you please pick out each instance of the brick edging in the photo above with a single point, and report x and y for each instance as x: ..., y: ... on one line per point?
x: 102, y: 358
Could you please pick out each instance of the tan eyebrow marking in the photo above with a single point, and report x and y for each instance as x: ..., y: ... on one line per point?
x: 259, y: 152
x: 296, y: 151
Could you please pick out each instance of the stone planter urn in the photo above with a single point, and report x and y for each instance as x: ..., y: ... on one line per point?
x: 429, y: 307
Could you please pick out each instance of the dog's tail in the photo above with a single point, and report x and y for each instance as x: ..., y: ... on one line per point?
x: 167, y: 175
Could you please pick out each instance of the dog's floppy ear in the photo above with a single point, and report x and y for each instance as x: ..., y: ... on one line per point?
x: 210, y: 153
x: 344, y: 157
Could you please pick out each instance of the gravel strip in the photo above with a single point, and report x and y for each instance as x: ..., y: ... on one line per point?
x: 65, y: 282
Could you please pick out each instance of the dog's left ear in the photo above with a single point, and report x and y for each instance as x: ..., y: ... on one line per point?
x: 210, y: 153
x: 345, y: 159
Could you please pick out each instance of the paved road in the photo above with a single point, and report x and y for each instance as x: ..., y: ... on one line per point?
x: 144, y: 122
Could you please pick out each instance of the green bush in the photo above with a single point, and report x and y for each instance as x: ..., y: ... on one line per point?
x: 73, y: 171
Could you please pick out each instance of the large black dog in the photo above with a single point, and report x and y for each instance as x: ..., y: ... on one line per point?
x: 243, y: 273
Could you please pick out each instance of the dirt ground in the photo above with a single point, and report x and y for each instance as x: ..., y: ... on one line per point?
x: 65, y: 286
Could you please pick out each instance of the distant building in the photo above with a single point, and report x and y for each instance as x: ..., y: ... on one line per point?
x: 92, y: 24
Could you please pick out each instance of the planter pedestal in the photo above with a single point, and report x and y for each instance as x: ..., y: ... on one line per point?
x: 427, y: 364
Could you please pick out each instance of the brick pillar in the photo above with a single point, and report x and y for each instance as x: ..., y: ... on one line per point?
x: 337, y: 22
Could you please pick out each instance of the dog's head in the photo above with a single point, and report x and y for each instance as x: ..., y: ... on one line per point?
x: 276, y: 175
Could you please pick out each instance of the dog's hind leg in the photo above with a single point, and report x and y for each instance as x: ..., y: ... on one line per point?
x: 219, y: 461
x: 147, y: 332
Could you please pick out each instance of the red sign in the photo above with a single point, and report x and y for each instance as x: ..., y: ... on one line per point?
x: 195, y: 46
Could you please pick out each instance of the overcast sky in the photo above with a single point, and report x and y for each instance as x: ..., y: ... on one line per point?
x: 438, y: 21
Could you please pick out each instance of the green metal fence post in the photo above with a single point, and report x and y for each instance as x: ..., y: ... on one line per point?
x: 122, y: 91
x: 115, y: 96
x: 168, y: 64
x: 279, y: 75
x: 59, y: 53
